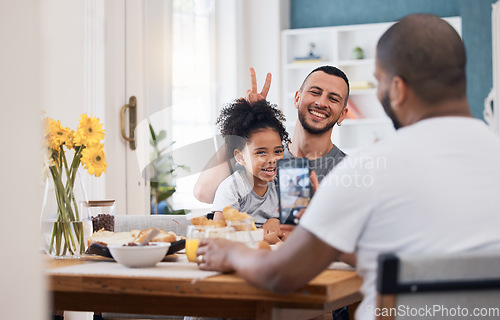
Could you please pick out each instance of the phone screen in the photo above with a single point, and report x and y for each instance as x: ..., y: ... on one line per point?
x: 294, y: 188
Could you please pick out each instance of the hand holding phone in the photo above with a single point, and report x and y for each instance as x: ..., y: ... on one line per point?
x: 295, y: 190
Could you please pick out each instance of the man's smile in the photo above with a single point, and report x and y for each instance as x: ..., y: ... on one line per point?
x: 318, y: 113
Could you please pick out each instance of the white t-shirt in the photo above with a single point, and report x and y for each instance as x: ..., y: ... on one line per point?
x: 432, y: 187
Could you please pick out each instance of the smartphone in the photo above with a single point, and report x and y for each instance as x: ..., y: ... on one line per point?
x: 294, y: 188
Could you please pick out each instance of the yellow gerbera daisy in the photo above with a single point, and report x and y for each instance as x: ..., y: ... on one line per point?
x: 89, y: 131
x: 57, y: 134
x: 70, y: 138
x: 93, y: 158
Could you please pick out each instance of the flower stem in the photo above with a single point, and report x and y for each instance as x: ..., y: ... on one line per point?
x: 64, y: 228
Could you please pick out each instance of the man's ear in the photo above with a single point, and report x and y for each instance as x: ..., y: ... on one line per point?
x: 343, y: 114
x: 296, y: 99
x: 399, y: 92
x: 238, y: 155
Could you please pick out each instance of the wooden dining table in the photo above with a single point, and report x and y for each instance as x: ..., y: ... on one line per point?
x: 222, y: 295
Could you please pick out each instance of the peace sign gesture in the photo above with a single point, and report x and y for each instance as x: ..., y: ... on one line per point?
x: 252, y: 94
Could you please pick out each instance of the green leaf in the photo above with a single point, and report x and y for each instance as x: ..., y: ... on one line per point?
x: 165, y: 195
x: 152, y: 131
x: 162, y: 135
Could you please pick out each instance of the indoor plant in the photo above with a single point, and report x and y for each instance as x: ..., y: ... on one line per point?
x: 162, y: 174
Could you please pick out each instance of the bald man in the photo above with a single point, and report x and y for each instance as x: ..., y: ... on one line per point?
x: 405, y: 191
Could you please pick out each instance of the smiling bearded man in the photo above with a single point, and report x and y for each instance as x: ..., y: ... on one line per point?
x: 321, y: 102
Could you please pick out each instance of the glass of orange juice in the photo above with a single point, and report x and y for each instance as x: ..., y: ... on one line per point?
x: 197, y: 232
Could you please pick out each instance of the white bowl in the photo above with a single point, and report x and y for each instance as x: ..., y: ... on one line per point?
x: 137, y: 256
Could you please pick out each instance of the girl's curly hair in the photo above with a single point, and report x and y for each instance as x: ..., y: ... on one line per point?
x: 240, y: 119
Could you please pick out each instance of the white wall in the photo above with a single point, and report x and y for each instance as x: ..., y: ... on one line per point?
x: 22, y: 287
x: 62, y: 60
x: 254, y: 42
x: 262, y: 22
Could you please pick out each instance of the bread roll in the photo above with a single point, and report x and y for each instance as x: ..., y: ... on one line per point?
x: 165, y: 236
x: 204, y: 221
x: 107, y: 237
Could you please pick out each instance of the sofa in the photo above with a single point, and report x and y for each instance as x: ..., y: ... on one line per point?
x: 174, y: 223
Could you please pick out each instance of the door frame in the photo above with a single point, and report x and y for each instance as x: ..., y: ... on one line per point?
x: 123, y: 44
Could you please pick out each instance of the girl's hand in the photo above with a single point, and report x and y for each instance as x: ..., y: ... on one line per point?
x: 272, y: 231
x: 272, y: 225
x: 272, y: 238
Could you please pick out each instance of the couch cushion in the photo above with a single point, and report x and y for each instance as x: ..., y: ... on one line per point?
x: 175, y: 223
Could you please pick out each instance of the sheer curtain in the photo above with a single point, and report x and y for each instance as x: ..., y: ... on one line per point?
x: 193, y: 107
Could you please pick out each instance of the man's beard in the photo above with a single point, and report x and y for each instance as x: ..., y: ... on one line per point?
x: 386, y: 103
x: 312, y: 130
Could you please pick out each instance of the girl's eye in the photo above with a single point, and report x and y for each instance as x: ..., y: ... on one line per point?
x: 279, y: 151
x: 261, y: 152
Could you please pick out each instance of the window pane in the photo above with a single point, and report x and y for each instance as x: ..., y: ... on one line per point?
x: 192, y: 112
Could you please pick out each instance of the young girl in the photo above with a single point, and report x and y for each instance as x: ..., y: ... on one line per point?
x: 255, y: 136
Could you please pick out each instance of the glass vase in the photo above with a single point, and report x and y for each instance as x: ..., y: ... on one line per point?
x: 65, y: 220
